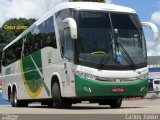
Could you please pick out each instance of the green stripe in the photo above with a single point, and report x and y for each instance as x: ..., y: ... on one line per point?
x: 32, y: 65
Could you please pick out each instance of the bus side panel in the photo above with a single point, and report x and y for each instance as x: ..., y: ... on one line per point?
x: 12, y: 76
x: 4, y: 85
x: 53, y: 64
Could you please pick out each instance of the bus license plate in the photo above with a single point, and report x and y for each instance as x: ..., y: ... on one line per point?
x: 118, y: 89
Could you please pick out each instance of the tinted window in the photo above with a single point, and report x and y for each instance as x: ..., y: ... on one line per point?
x: 42, y: 36
x: 12, y: 54
x: 68, y: 49
x: 60, y: 16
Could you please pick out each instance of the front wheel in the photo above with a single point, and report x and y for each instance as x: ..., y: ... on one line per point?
x: 116, y: 103
x: 58, y: 101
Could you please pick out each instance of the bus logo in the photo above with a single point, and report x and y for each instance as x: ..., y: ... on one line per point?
x: 118, y: 81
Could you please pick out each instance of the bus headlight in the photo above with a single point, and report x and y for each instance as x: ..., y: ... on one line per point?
x: 86, y: 75
x: 144, y: 76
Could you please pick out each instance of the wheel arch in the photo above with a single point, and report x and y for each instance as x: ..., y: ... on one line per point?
x: 56, y: 78
x: 14, y: 87
x: 9, y: 91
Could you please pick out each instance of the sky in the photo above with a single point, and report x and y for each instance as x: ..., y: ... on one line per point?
x: 148, y: 10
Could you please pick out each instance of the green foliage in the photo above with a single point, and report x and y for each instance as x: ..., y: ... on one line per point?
x: 9, y: 34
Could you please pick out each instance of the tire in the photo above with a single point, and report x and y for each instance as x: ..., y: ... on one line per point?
x: 50, y: 104
x: 116, y: 103
x: 58, y: 101
x: 10, y: 97
x: 104, y: 102
x: 17, y: 103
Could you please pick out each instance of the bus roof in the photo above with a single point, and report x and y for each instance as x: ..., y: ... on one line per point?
x: 77, y: 6
x: 93, y: 6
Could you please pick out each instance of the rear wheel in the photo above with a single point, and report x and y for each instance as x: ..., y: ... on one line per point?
x: 50, y: 104
x: 58, y: 101
x: 10, y: 97
x: 116, y: 103
x: 9, y: 94
x: 17, y: 103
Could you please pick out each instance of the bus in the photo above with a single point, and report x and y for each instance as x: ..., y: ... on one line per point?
x: 154, y: 72
x: 78, y: 51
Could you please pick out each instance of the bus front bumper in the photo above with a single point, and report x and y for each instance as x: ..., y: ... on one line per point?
x: 91, y: 88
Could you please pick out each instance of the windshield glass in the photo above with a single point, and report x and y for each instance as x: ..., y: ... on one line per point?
x: 97, y: 42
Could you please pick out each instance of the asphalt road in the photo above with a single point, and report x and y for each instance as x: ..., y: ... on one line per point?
x: 149, y: 105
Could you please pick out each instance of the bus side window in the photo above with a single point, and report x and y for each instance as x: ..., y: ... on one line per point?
x: 7, y: 57
x: 49, y: 33
x: 3, y: 59
x: 68, y: 46
x: 3, y: 62
x: 60, y: 16
x: 27, y: 45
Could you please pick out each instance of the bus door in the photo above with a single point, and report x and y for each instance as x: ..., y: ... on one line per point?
x: 68, y: 62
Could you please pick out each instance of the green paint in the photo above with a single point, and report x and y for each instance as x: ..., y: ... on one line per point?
x: 45, y: 86
x: 32, y: 76
x: 105, y: 89
x: 8, y: 71
x: 38, y: 60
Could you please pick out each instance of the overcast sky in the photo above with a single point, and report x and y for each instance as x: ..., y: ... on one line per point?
x: 148, y: 10
x: 26, y: 8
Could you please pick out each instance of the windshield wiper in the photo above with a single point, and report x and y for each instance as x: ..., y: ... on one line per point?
x: 118, y: 43
x: 129, y: 60
x: 106, y: 57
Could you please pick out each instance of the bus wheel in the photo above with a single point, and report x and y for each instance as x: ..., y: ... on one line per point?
x: 17, y: 103
x: 10, y: 97
x: 115, y: 103
x: 58, y: 101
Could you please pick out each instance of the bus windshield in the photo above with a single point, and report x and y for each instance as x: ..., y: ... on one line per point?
x: 97, y: 42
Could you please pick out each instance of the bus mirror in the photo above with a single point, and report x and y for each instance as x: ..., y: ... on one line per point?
x: 153, y: 27
x: 73, y: 27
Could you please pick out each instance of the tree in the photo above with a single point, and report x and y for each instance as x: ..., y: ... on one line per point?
x: 11, y: 29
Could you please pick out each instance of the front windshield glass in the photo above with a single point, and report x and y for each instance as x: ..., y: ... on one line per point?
x: 130, y: 35
x: 96, y: 42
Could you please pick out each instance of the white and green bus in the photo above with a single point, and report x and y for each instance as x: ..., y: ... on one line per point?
x: 79, y: 51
